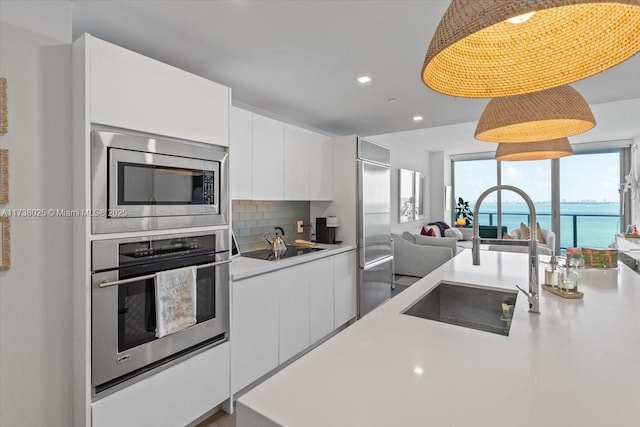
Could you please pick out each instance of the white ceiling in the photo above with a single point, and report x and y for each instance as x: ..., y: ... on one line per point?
x: 298, y: 60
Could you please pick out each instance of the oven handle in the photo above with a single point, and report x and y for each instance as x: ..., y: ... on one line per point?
x: 108, y: 283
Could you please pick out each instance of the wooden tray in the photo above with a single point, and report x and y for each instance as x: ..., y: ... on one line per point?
x: 563, y: 294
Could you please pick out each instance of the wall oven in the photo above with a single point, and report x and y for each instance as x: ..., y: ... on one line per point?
x: 144, y: 183
x: 123, y: 327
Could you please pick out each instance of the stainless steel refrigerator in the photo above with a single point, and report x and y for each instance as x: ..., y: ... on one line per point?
x: 375, y: 256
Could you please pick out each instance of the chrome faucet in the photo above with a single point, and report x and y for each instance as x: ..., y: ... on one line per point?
x: 534, y: 288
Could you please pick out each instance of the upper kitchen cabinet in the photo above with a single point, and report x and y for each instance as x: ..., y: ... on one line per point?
x: 320, y: 168
x: 271, y: 160
x: 268, y: 159
x: 297, y: 144
x: 307, y: 165
x: 241, y: 154
x: 131, y: 91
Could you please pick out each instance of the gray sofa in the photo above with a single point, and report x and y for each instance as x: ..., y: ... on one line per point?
x: 416, y: 255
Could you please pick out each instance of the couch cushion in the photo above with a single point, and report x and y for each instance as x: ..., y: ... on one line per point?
x: 409, y: 237
x: 438, y: 241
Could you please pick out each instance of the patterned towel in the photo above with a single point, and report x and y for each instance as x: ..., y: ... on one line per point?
x: 175, y: 300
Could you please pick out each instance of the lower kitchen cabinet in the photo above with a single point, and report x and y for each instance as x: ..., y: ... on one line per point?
x: 254, y: 329
x: 173, y: 397
x: 279, y: 314
x: 321, y: 298
x: 345, y: 283
x: 293, y: 284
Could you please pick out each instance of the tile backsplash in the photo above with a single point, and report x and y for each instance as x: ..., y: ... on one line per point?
x: 252, y: 219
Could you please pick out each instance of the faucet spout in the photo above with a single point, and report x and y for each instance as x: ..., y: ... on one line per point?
x: 534, y: 287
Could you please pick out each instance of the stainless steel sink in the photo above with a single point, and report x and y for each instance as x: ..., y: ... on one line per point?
x: 468, y: 306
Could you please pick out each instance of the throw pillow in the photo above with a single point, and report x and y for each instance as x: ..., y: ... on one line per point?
x: 507, y: 236
x: 540, y: 235
x: 454, y: 233
x: 525, y: 233
x: 430, y: 231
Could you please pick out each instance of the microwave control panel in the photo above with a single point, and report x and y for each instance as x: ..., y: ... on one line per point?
x: 208, y: 191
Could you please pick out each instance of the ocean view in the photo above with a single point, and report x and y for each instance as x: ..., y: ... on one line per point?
x: 590, y: 223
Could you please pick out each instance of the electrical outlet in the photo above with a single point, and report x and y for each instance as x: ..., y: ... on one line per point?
x: 300, y: 225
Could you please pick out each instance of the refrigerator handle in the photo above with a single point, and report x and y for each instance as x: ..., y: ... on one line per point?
x: 360, y: 217
x: 378, y: 262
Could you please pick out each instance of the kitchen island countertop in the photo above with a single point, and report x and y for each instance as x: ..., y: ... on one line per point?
x: 575, y: 364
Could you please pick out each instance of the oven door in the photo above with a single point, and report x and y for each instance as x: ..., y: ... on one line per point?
x: 123, y: 318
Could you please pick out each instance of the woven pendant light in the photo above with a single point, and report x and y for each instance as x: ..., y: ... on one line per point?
x: 538, y: 116
x: 553, y: 149
x: 476, y: 52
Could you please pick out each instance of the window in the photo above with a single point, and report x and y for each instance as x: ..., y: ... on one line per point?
x: 589, y: 199
x: 582, y: 205
x: 471, y: 178
x: 534, y: 178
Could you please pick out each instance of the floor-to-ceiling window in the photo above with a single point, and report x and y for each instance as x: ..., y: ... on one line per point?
x: 534, y: 178
x: 580, y: 202
x: 470, y: 179
x: 589, y: 199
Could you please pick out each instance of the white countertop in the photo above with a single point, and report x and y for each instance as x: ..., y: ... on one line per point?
x: 244, y: 267
x: 575, y: 364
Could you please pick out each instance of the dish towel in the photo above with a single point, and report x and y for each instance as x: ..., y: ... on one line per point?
x: 175, y: 300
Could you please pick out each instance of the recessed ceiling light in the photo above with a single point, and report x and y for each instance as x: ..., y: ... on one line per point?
x: 392, y: 99
x: 364, y: 79
x: 417, y: 118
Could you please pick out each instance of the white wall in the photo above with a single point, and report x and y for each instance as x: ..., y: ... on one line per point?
x: 406, y: 156
x: 35, y: 293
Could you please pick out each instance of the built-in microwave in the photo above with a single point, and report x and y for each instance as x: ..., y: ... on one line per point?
x: 143, y: 183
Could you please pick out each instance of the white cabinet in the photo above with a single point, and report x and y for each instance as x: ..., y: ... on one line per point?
x: 254, y: 329
x: 131, y: 91
x: 268, y: 159
x: 271, y: 160
x: 297, y: 143
x: 293, y: 286
x: 173, y: 397
x: 320, y: 168
x: 277, y: 315
x: 344, y: 287
x: 241, y: 154
x: 321, y: 299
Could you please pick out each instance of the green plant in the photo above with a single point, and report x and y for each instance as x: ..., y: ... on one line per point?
x: 464, y: 211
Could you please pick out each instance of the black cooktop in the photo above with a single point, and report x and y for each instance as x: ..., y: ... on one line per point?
x: 269, y: 255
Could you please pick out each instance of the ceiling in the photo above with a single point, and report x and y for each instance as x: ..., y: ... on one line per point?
x: 298, y: 60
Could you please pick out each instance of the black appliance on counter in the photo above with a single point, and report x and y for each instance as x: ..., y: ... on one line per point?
x: 326, y: 229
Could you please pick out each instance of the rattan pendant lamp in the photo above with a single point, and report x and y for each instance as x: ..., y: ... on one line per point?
x: 538, y: 116
x: 553, y: 149
x: 494, y: 48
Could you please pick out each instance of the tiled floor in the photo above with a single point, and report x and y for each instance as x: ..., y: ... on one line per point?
x: 219, y: 419
x: 401, y: 283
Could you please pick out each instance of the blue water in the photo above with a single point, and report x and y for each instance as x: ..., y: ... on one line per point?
x: 595, y: 224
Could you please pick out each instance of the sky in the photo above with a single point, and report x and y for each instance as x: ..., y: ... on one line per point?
x: 583, y: 177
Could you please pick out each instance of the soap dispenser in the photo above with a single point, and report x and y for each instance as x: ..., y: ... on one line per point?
x: 569, y: 282
x: 552, y: 274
